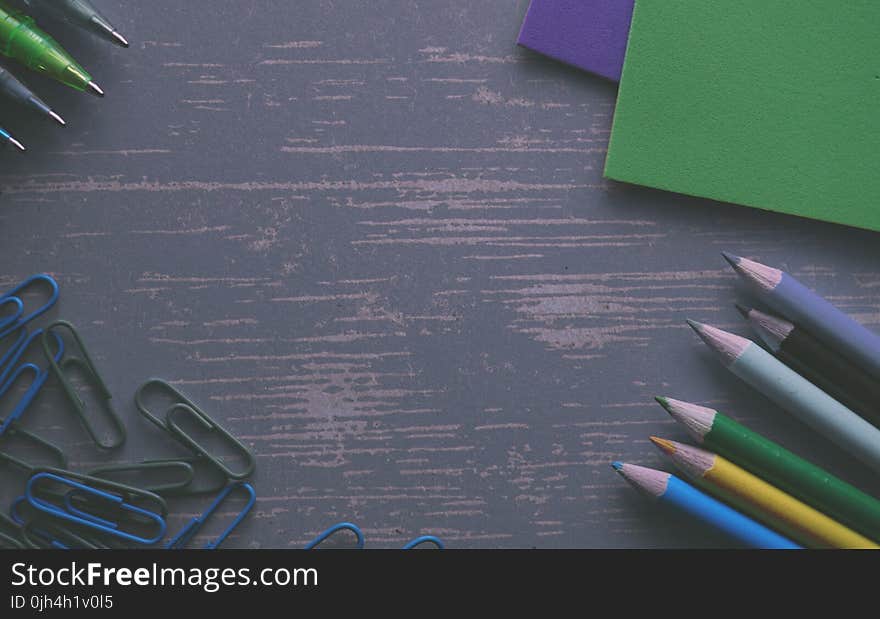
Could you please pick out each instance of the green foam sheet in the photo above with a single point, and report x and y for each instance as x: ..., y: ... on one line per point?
x: 773, y: 104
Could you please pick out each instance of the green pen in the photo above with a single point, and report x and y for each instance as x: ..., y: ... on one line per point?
x: 18, y: 92
x: 23, y: 40
x: 82, y: 14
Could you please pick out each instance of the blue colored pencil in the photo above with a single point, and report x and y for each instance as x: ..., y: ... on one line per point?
x: 5, y: 135
x: 801, y: 305
x: 671, y: 490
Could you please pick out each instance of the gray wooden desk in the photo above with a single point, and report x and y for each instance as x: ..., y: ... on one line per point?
x: 374, y: 240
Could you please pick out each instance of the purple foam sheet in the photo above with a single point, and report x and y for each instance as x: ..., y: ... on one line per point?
x: 588, y: 34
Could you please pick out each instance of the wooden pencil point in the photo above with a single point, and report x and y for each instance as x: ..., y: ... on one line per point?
x: 666, y: 446
x: 779, y: 467
x: 732, y: 259
x: 742, y: 309
x: 729, y: 346
x: 648, y: 481
x: 772, y: 329
x: 764, y: 501
x: 764, y: 277
x: 696, y: 419
x: 805, y: 308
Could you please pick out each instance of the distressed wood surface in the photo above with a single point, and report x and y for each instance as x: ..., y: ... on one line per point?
x: 374, y: 240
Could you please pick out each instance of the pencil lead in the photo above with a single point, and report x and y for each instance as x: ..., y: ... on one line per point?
x: 662, y: 401
x: 743, y: 310
x: 617, y: 466
x: 57, y: 118
x: 696, y: 326
x: 95, y: 89
x: 732, y: 259
x: 664, y: 445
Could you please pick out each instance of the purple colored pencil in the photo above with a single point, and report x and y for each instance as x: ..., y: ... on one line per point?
x: 588, y: 34
x: 801, y: 305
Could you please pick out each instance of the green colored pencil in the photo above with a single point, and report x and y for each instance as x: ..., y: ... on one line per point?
x: 778, y: 466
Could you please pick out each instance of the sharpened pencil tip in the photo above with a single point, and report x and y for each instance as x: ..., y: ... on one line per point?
x: 696, y: 326
x: 732, y: 259
x: 57, y: 118
x: 662, y: 401
x: 664, y: 445
x: 617, y: 466
x: 95, y: 89
x: 729, y: 346
x: 742, y: 309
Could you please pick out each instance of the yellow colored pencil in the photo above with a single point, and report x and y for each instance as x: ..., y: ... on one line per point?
x: 756, y: 497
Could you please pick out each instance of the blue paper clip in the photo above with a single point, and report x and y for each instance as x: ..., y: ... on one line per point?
x: 37, y: 533
x: 193, y: 526
x: 342, y: 526
x: 72, y: 514
x: 424, y: 539
x: 15, y: 292
x: 28, y: 396
x: 22, y: 336
x: 12, y: 318
x: 17, y: 352
x: 47, y: 538
x: 14, y: 514
x: 53, y: 536
x: 150, y: 501
x: 9, y: 376
x: 30, y: 531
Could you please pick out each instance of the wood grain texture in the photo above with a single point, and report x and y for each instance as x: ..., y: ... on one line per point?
x: 374, y: 240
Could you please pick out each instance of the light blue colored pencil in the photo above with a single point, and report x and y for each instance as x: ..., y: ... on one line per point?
x: 794, y: 393
x: 669, y: 489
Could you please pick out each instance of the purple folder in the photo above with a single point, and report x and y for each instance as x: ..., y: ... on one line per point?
x: 589, y: 34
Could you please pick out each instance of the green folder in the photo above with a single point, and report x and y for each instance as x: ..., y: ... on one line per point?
x: 773, y: 104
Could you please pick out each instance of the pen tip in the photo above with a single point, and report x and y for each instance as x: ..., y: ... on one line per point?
x: 57, y: 118
x: 663, y: 444
x: 95, y: 89
x: 17, y: 144
x: 742, y: 309
x: 105, y: 29
x: 617, y: 465
x: 693, y: 324
x: 732, y: 259
x: 119, y: 39
x: 661, y: 400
